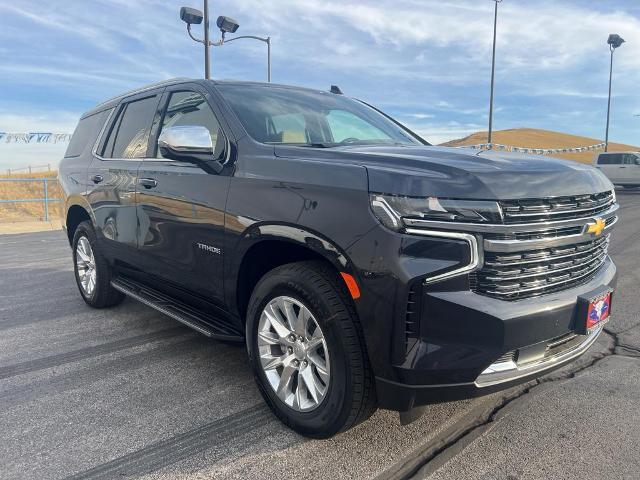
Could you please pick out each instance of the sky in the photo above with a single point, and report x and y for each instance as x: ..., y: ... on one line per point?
x: 428, y: 63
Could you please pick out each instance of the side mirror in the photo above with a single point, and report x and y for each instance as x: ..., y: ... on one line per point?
x: 189, y: 143
x: 637, y: 161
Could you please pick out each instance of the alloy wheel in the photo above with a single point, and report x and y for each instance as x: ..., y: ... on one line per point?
x: 293, y: 353
x: 86, y: 266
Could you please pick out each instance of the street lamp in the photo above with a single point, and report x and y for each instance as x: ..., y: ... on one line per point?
x: 493, y: 72
x: 614, y: 41
x: 192, y: 16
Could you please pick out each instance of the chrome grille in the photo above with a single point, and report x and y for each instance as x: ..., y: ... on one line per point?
x: 522, y: 274
x: 558, y: 208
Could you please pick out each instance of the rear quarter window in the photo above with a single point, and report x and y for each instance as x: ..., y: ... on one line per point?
x: 85, y: 133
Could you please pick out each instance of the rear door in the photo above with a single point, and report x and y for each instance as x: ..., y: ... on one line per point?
x: 610, y: 164
x: 181, y: 207
x: 630, y: 170
x: 112, y: 176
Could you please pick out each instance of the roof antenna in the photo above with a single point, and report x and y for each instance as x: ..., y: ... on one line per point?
x: 336, y: 89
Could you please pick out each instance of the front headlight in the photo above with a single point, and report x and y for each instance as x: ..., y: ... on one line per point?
x: 392, y: 209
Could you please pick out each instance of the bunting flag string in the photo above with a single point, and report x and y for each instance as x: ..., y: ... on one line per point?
x: 34, y: 137
x: 538, y: 151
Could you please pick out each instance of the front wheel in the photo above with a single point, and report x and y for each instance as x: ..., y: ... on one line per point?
x: 93, y: 272
x: 307, y: 350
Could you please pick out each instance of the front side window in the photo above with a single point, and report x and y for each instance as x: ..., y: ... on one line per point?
x: 129, y: 135
x: 281, y: 115
x: 192, y: 109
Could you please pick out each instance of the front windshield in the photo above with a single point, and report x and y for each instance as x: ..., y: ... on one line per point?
x: 290, y: 116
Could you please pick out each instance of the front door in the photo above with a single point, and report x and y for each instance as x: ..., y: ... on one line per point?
x: 113, y: 177
x: 181, y: 207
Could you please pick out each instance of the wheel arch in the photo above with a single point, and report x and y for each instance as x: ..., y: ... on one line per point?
x: 265, y: 247
x: 76, y: 214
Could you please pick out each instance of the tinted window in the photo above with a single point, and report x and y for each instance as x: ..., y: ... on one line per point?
x: 191, y: 108
x: 610, y: 159
x: 345, y: 125
x: 630, y: 159
x: 130, y: 134
x: 279, y: 115
x: 85, y: 133
x: 288, y: 128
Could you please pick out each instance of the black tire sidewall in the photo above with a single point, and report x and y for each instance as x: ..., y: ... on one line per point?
x: 104, y: 295
x: 332, y: 413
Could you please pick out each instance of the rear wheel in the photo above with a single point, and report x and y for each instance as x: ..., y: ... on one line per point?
x: 307, y: 350
x: 92, y: 271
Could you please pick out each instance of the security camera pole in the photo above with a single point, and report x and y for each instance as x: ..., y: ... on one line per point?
x: 192, y: 16
x: 614, y: 41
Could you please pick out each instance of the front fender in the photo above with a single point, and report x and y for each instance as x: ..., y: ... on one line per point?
x: 286, y: 233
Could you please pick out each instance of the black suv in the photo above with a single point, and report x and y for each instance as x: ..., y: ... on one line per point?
x: 363, y: 267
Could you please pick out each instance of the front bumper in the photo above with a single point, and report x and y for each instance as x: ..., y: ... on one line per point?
x: 472, y: 345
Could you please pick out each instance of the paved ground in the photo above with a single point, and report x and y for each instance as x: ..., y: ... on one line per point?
x: 127, y: 392
x: 28, y: 227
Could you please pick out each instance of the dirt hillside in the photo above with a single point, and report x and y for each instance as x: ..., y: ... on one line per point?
x: 536, y: 138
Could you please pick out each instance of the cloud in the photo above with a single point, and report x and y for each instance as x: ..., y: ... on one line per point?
x: 427, y: 62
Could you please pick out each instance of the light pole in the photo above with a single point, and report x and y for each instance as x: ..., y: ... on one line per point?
x: 192, y: 16
x: 493, y: 72
x: 265, y: 40
x: 614, y: 41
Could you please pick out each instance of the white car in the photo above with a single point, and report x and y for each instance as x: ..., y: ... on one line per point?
x: 622, y: 168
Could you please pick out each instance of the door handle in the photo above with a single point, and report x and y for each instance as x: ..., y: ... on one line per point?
x: 96, y: 178
x: 148, y: 182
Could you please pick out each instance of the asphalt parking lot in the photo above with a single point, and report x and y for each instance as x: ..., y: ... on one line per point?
x: 128, y: 392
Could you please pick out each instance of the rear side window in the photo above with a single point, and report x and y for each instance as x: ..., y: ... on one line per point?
x: 610, y: 159
x: 129, y: 134
x: 86, y: 133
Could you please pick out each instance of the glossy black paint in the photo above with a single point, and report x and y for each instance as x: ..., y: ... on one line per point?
x: 317, y: 201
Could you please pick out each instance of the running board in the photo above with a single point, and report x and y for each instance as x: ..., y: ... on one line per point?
x: 200, y: 321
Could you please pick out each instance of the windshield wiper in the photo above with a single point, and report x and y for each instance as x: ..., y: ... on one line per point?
x: 317, y: 145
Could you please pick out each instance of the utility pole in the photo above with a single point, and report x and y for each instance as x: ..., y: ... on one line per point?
x: 207, y: 60
x: 614, y: 42
x: 493, y: 73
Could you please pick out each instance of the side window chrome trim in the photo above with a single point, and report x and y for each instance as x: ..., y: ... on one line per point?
x: 474, y: 261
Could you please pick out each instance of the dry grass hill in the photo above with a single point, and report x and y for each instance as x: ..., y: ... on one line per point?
x: 29, y: 211
x: 536, y: 138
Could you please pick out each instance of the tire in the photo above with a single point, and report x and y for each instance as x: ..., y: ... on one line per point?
x: 99, y: 293
x: 347, y: 389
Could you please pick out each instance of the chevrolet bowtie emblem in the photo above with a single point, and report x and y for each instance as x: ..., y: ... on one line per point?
x: 596, y: 228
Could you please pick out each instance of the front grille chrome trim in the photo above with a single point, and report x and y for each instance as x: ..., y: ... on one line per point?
x: 510, y: 290
x: 501, y: 372
x: 502, y: 228
x: 509, y: 246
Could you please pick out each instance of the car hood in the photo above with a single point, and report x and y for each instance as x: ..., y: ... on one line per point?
x: 460, y: 172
